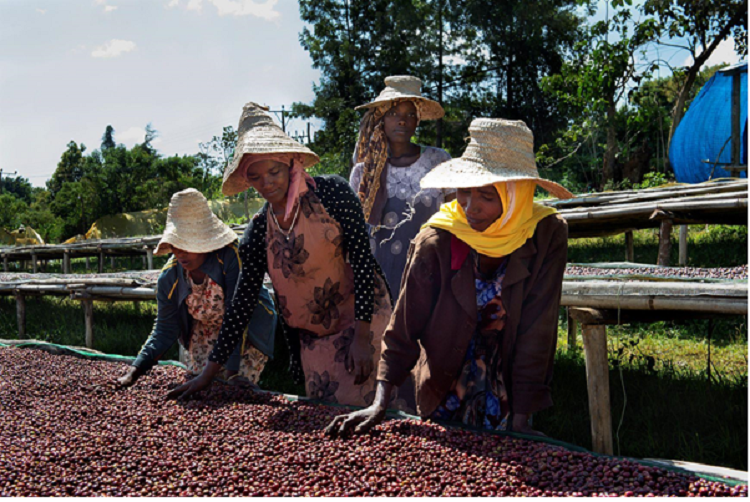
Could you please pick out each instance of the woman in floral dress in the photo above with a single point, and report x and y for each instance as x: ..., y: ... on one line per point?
x: 193, y: 290
x: 310, y: 239
x: 388, y: 171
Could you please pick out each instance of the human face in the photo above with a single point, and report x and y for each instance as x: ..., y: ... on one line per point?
x: 401, y: 122
x: 482, y: 206
x: 189, y: 261
x: 270, y: 179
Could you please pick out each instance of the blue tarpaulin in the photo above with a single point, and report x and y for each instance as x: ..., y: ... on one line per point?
x: 706, y: 128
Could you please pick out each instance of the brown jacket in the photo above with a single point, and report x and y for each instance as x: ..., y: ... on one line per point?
x: 436, y: 316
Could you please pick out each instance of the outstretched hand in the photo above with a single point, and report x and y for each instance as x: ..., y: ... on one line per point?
x: 358, y: 422
x: 190, y: 388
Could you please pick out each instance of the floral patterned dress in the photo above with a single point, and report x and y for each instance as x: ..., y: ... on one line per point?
x: 478, y: 396
x: 391, y: 239
x: 205, y: 305
x: 314, y: 284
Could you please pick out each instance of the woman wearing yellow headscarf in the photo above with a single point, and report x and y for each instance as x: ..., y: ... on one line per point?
x: 475, y: 327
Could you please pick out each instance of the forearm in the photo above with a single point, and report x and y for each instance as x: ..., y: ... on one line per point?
x: 383, y: 391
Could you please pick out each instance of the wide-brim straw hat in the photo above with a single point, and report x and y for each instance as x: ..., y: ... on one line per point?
x: 498, y: 151
x: 192, y: 226
x: 406, y: 88
x: 258, y: 136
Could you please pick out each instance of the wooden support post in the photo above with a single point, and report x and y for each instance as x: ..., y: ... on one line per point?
x: 665, y: 242
x: 101, y: 262
x: 21, y: 315
x: 88, y: 312
x: 150, y: 258
x: 629, y: 250
x: 88, y: 263
x: 5, y: 263
x: 137, y: 305
x: 112, y: 262
x: 572, y: 332
x: 33, y: 262
x: 597, y: 377
x: 66, y: 262
x: 683, y: 245
x: 144, y: 264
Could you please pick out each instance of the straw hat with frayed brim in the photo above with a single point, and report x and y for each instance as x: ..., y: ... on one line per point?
x: 406, y: 88
x: 498, y: 151
x: 259, y: 136
x: 192, y: 226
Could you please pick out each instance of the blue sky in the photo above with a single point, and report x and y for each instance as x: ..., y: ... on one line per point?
x: 69, y: 68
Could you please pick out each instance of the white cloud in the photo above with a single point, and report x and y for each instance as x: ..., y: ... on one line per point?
x: 113, y: 48
x: 134, y: 136
x: 263, y: 10
x: 110, y: 8
x: 237, y: 8
x: 724, y: 53
x: 173, y: 3
x: 41, y: 11
x: 195, y: 5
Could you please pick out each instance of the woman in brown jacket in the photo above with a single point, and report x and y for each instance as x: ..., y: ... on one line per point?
x: 476, y: 319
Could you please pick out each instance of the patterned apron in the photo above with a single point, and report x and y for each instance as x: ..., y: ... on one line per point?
x: 205, y: 305
x: 315, y: 288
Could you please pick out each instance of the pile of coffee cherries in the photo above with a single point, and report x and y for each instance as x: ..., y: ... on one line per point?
x: 67, y: 430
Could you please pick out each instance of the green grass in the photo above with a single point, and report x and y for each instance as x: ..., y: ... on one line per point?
x: 669, y: 407
x: 712, y: 246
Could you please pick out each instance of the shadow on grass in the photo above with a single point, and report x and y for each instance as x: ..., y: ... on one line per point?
x: 677, y: 417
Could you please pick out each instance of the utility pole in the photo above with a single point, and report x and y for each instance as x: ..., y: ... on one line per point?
x: 14, y: 173
x: 282, y: 117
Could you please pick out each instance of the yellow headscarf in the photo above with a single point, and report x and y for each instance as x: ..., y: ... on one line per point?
x: 509, y: 232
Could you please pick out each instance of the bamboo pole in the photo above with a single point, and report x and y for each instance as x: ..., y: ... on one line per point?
x: 33, y: 262
x: 649, y: 208
x: 112, y: 262
x: 683, y: 245
x: 665, y: 242
x: 66, y: 262
x: 597, y: 378
x: 88, y: 313
x: 101, y: 262
x: 21, y: 315
x: 629, y: 248
x: 150, y: 257
x: 5, y: 262
x: 734, y: 306
x: 88, y: 263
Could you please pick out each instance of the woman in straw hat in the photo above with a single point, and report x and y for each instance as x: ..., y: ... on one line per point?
x: 310, y: 238
x: 479, y: 304
x: 389, y: 168
x: 194, y: 289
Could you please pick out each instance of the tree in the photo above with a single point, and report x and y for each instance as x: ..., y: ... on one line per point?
x: 151, y: 135
x: 600, y: 75
x: 70, y: 168
x: 704, y: 25
x: 108, y: 138
x: 18, y: 186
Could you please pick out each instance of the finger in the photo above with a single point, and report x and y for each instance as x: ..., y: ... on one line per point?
x: 365, y: 426
x: 190, y: 391
x: 349, y: 424
x: 177, y: 391
x: 333, y: 428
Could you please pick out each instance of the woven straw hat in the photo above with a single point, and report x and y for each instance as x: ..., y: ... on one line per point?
x: 498, y: 150
x: 258, y: 135
x: 406, y: 88
x: 192, y: 226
